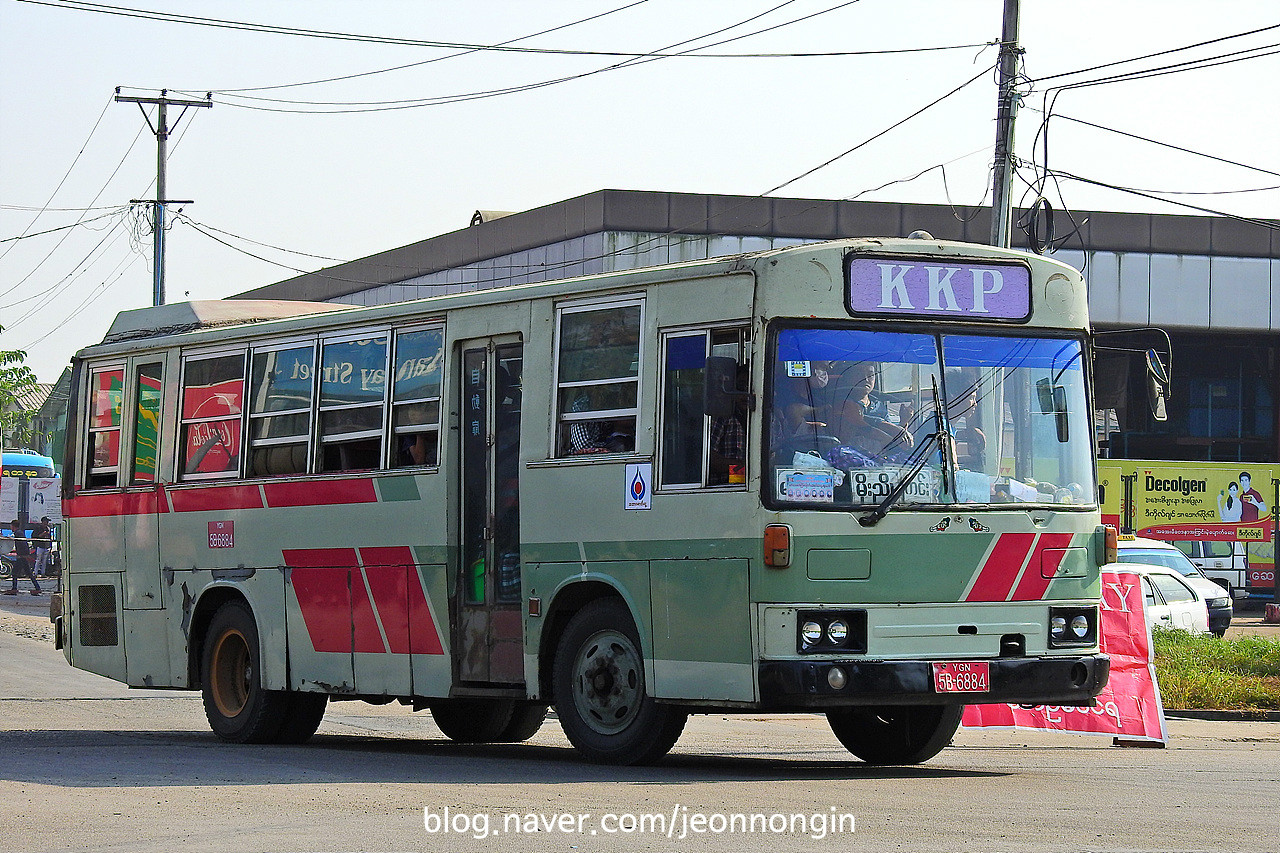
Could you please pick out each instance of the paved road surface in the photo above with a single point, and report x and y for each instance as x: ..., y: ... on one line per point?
x: 86, y: 764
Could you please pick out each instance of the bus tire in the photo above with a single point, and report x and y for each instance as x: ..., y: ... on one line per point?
x: 306, y: 710
x: 600, y: 694
x: 239, y: 709
x: 526, y: 719
x: 900, y: 734
x: 472, y: 720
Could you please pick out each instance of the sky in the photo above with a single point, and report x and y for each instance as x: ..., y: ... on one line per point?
x: 292, y: 170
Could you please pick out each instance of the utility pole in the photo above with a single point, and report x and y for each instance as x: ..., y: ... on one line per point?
x: 161, y: 130
x: 1006, y: 111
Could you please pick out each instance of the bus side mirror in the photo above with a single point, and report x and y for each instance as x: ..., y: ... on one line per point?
x: 720, y: 392
x: 1157, y: 386
x: 1053, y: 401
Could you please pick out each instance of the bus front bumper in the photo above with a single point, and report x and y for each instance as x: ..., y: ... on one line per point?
x: 807, y: 684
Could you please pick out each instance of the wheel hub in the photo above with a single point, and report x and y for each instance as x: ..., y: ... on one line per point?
x: 609, y: 682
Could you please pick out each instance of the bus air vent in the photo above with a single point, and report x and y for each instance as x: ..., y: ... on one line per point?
x: 98, y: 615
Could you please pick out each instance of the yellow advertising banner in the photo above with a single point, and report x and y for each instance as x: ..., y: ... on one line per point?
x: 1195, y: 502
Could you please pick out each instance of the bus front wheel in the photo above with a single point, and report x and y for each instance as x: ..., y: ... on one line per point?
x: 239, y: 709
x: 906, y: 734
x: 600, y: 693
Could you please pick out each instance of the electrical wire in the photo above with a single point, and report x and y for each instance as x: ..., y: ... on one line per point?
x: 1156, y: 54
x: 400, y: 41
x: 66, y: 234
x: 75, y: 224
x: 67, y: 174
x: 876, y: 136
x: 1262, y: 223
x: 346, y: 107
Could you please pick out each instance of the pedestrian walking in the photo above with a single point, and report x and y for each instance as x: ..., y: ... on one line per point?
x: 41, y: 542
x: 22, y: 560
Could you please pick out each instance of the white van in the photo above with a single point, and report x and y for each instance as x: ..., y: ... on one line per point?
x: 1223, y: 562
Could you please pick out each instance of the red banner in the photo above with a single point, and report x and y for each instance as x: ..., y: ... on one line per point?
x: 1129, y: 706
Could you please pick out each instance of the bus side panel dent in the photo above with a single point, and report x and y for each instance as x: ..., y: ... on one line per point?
x: 702, y: 630
x: 194, y: 595
x: 147, y: 663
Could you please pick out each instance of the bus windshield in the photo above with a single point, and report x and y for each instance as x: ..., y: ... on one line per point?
x: 855, y: 411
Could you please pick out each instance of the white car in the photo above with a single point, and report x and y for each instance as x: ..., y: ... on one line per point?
x: 1170, y: 602
x: 1152, y: 552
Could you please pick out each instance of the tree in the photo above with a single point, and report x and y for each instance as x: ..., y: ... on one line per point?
x: 16, y: 380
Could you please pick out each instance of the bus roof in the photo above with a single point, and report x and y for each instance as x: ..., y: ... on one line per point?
x: 179, y: 317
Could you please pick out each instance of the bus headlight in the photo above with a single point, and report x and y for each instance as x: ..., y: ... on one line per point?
x: 831, y: 631
x: 811, y: 633
x: 1073, y: 626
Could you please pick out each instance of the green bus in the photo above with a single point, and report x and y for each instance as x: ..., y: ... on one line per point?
x: 853, y: 478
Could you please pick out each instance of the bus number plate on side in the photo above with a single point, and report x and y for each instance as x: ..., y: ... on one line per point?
x: 962, y: 677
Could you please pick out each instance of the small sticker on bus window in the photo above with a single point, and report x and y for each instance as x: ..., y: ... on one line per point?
x: 810, y: 486
x: 797, y: 369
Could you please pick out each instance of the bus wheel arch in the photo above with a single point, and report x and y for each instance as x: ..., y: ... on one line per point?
x: 198, y: 626
x: 565, y: 604
x: 601, y: 693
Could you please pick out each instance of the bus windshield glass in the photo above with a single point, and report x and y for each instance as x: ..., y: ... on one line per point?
x: 980, y: 419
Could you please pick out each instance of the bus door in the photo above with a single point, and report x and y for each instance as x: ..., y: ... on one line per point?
x: 489, y: 636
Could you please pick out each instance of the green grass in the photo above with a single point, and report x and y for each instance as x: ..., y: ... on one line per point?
x: 1207, y: 672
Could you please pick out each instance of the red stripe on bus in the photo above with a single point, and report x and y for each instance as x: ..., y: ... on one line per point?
x: 118, y: 503
x: 214, y: 498
x: 1001, y: 568
x: 320, y: 493
x: 320, y: 580
x: 401, y: 601
x: 1034, y: 582
x: 364, y: 625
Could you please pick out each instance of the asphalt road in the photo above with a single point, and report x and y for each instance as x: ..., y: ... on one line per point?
x: 86, y: 764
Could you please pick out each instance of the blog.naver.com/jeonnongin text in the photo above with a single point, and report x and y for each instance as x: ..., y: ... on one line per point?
x: 680, y: 822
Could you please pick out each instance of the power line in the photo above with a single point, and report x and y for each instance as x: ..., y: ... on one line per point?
x: 1262, y: 223
x: 400, y: 41
x: 433, y: 60
x: 78, y: 222
x: 347, y: 107
x: 1167, y: 145
x: 66, y: 234
x: 888, y: 129
x: 1156, y: 54
x: 53, y: 194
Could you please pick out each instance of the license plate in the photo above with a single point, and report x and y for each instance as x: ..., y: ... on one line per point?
x: 962, y: 677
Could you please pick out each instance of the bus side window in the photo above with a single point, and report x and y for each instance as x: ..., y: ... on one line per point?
x: 212, y: 404
x: 281, y: 384
x: 106, y: 403
x: 415, y: 398
x: 597, y: 379
x: 353, y: 386
x: 148, y: 383
x: 697, y: 450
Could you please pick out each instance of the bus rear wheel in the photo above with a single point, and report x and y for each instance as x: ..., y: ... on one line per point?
x: 600, y: 693
x: 487, y: 720
x: 239, y: 709
x: 900, y: 734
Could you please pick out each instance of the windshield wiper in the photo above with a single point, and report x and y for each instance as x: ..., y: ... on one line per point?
x: 941, y: 438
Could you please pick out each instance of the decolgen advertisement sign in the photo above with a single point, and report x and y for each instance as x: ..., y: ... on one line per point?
x: 1201, y: 501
